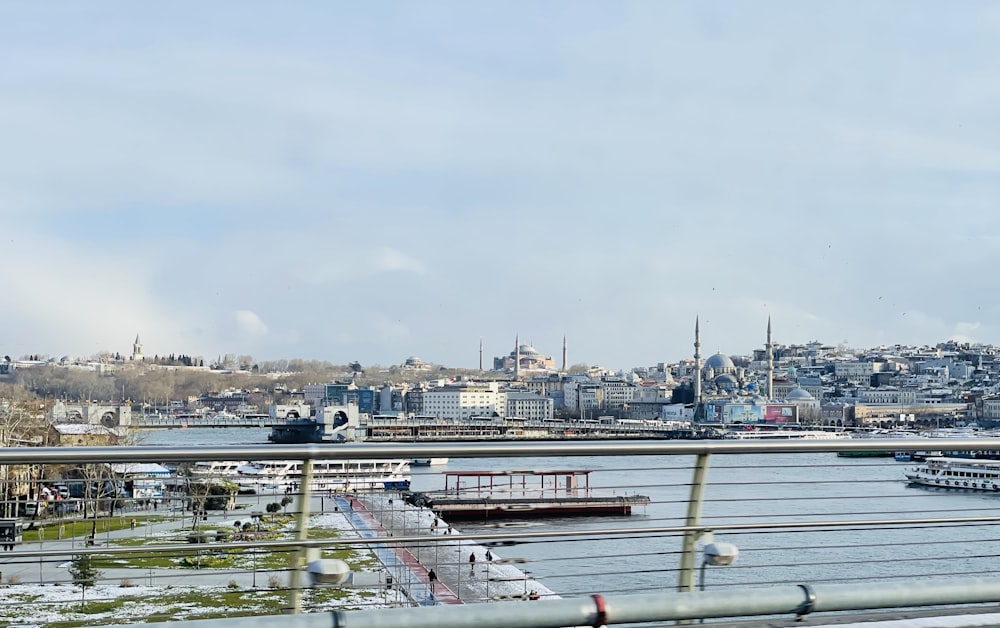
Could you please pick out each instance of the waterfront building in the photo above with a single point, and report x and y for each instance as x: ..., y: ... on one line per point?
x: 463, y: 401
x: 529, y: 405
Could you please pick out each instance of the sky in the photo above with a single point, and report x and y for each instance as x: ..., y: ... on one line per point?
x: 370, y: 181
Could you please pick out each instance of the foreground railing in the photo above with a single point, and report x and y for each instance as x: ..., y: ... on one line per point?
x: 706, y: 507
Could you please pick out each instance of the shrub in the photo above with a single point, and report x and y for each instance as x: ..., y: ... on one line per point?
x: 126, y: 583
x: 274, y: 582
x: 232, y: 585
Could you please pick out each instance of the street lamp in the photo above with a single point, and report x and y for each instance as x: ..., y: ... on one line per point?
x: 718, y: 554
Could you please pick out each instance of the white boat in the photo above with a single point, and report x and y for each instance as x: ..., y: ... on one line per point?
x: 284, y: 476
x: 784, y: 435
x: 957, y: 473
x: 217, y: 469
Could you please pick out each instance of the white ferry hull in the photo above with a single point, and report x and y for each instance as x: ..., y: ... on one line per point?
x: 957, y: 474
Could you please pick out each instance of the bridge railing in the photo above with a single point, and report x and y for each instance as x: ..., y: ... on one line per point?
x: 788, y: 506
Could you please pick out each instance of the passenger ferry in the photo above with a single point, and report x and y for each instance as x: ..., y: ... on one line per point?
x: 957, y: 473
x: 784, y: 435
x: 217, y: 469
x: 284, y: 476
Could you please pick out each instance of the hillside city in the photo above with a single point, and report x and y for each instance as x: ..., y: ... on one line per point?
x: 812, y: 383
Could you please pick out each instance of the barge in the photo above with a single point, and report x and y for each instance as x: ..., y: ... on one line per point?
x: 506, y: 494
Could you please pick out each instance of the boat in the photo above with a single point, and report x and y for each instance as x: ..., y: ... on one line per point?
x: 216, y: 469
x: 755, y: 434
x: 877, y: 435
x: 957, y: 473
x: 284, y: 476
x: 517, y: 494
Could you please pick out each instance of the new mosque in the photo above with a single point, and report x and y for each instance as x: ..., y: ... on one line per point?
x: 725, y: 393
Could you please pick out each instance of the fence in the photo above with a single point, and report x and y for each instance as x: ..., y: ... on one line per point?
x: 815, y: 532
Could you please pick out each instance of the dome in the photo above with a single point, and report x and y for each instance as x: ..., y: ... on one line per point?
x: 527, y: 350
x: 799, y: 394
x: 726, y: 381
x: 720, y: 363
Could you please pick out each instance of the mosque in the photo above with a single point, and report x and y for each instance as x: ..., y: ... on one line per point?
x: 723, y: 392
x: 525, y: 358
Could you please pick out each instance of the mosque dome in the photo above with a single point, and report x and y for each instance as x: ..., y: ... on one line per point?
x: 527, y: 350
x: 720, y: 363
x: 726, y: 381
x: 799, y: 394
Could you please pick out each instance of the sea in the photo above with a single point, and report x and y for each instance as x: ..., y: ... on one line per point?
x: 827, y: 493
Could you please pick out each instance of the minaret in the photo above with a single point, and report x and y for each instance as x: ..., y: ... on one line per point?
x: 517, y: 357
x: 770, y: 362
x: 480, y: 355
x: 137, y: 349
x: 564, y: 354
x: 697, y: 365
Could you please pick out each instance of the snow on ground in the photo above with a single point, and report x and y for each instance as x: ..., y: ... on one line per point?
x: 31, y: 605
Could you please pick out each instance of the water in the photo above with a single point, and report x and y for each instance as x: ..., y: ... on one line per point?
x: 742, y: 489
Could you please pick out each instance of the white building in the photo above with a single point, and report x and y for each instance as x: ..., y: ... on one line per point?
x: 462, y: 402
x: 530, y: 406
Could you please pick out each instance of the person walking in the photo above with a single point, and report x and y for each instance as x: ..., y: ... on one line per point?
x: 472, y: 564
x: 432, y: 579
x: 489, y: 556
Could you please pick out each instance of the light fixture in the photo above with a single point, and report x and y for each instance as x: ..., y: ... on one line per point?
x: 717, y: 554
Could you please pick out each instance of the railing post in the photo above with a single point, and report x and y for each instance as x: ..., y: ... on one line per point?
x: 690, y: 548
x: 297, y: 558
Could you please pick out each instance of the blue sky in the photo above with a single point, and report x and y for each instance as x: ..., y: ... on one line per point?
x: 368, y: 181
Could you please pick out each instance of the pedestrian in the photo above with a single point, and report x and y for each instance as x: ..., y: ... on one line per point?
x: 472, y: 559
x: 432, y: 578
x: 132, y: 524
x: 489, y: 556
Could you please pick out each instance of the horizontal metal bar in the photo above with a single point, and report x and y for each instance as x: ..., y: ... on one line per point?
x: 635, y: 608
x: 431, y: 540
x: 513, y: 449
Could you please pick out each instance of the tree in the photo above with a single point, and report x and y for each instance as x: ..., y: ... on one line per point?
x: 285, y: 501
x: 272, y: 508
x: 84, y: 574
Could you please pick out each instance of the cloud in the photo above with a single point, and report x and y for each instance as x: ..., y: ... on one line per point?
x: 249, y: 324
x: 387, y: 259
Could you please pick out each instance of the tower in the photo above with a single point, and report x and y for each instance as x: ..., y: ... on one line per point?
x: 517, y: 358
x: 480, y: 354
x: 770, y: 362
x: 564, y: 354
x: 697, y: 365
x: 137, y: 349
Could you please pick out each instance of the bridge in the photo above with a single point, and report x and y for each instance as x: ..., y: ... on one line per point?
x: 808, y: 526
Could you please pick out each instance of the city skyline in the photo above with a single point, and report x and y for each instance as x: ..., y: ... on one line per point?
x: 343, y: 182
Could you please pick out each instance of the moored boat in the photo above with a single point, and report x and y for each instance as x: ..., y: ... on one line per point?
x: 277, y: 476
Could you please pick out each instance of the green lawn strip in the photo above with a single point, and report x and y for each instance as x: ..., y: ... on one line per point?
x: 82, y: 527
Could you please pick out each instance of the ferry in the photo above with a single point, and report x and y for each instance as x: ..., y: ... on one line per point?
x: 284, y: 476
x: 217, y: 469
x: 784, y: 435
x: 957, y: 473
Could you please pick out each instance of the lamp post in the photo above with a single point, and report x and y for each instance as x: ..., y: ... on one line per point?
x: 718, y: 554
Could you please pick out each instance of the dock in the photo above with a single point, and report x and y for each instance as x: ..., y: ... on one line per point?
x: 507, y: 494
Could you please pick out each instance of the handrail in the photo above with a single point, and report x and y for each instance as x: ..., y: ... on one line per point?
x: 798, y: 600
x: 518, y: 449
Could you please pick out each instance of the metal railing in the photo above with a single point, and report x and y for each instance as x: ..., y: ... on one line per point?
x: 707, y: 507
